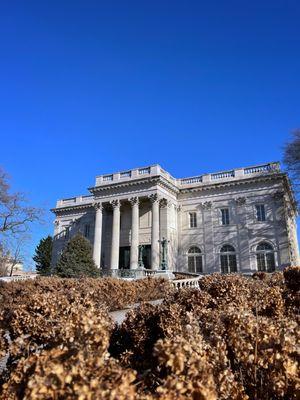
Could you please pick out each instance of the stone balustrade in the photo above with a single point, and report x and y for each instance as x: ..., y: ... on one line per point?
x: 75, y: 201
x: 17, y: 277
x: 157, y: 170
x: 222, y: 175
x: 192, y: 283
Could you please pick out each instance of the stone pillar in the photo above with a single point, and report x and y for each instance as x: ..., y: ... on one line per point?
x: 115, y: 245
x: 134, y: 248
x: 155, y: 232
x: 98, y: 234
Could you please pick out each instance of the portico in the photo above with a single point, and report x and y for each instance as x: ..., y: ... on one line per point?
x: 116, y: 206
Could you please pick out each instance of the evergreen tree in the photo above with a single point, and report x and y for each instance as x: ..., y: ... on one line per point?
x: 42, y: 256
x: 76, y: 260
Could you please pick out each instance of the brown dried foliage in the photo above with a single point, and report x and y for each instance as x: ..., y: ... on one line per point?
x: 236, y: 338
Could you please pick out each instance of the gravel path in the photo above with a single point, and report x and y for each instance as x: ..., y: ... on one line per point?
x: 119, y: 315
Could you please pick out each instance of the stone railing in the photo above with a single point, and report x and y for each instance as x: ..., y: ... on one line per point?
x: 144, y: 171
x: 106, y: 178
x: 234, y: 174
x: 188, y: 181
x: 222, y: 175
x: 17, y: 277
x: 192, y: 283
x: 128, y: 273
x: 262, y: 168
x: 125, y: 174
x: 75, y: 201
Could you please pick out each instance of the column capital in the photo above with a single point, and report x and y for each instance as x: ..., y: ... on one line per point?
x: 154, y: 198
x: 240, y: 200
x: 207, y: 205
x: 115, y: 203
x: 278, y: 195
x: 134, y: 201
x: 166, y: 203
x: 98, y: 206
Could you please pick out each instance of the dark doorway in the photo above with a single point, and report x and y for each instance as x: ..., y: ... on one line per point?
x: 147, y: 256
x: 124, y: 259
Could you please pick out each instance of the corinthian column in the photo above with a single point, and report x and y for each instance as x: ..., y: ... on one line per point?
x: 98, y: 234
x: 134, y: 248
x: 115, y: 245
x: 155, y: 232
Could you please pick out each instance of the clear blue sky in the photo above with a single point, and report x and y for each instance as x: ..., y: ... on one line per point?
x: 89, y: 87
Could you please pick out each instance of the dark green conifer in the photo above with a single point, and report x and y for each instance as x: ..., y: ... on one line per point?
x: 76, y: 260
x: 42, y: 256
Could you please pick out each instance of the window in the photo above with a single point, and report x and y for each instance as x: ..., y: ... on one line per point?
x: 265, y: 257
x: 260, y: 212
x: 87, y: 230
x: 195, y: 264
x: 67, y: 232
x: 225, y: 216
x: 193, y: 220
x: 228, y: 259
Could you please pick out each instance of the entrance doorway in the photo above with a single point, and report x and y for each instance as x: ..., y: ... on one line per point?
x: 147, y: 256
x: 124, y: 259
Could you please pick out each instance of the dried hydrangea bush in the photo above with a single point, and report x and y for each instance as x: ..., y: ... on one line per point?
x: 235, y: 338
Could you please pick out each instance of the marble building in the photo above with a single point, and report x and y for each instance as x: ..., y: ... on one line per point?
x: 241, y: 220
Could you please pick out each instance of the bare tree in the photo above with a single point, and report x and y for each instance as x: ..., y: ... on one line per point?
x: 16, y: 217
x: 15, y: 214
x: 3, y: 261
x: 292, y: 159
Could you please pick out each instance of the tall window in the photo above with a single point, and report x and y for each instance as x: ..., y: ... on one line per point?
x: 87, y: 230
x: 265, y: 257
x: 195, y: 264
x: 67, y: 232
x: 225, y: 216
x: 193, y: 219
x: 260, y: 212
x: 228, y: 259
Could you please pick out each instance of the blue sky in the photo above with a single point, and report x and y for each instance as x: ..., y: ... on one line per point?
x: 89, y: 87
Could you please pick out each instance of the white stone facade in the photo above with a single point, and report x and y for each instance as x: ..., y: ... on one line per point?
x: 240, y: 220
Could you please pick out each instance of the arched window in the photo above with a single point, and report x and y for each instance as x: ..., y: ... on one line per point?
x: 265, y: 257
x: 195, y: 260
x: 228, y: 259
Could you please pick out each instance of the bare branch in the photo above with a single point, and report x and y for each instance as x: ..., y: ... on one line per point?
x: 292, y: 159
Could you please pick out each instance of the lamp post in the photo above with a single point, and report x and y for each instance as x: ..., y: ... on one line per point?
x: 164, y: 244
x: 141, y: 251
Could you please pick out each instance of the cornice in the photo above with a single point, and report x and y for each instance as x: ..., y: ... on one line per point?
x: 78, y: 207
x: 168, y: 185
x: 290, y: 192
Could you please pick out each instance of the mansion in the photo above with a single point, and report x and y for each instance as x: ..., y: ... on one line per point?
x: 241, y: 220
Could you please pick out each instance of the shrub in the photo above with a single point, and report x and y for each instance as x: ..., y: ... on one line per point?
x: 234, y: 339
x: 76, y: 260
x: 292, y: 278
